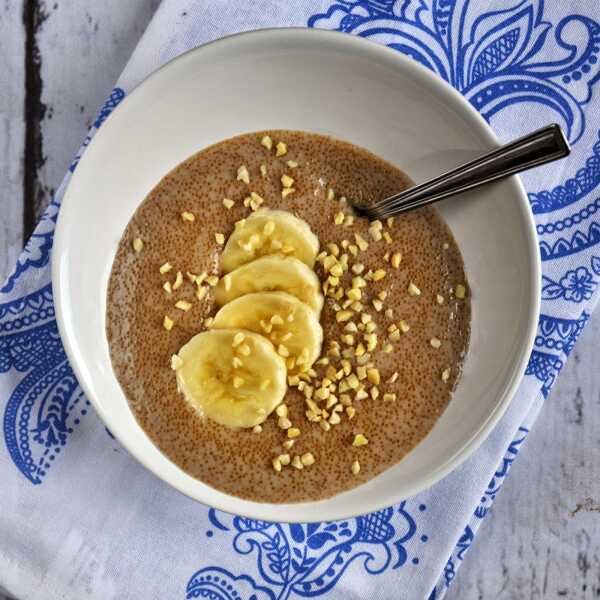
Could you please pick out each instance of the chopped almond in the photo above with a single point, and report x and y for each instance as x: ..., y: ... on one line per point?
x: 243, y: 174
x: 360, y: 440
x: 280, y: 149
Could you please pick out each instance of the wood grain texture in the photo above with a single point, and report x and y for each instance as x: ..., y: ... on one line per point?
x: 84, y: 46
x: 531, y: 545
x: 12, y: 132
x: 542, y: 536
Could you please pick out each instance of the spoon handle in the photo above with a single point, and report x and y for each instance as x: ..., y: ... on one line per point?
x: 540, y: 147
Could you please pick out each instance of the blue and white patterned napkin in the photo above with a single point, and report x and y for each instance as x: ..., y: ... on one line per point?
x: 80, y: 518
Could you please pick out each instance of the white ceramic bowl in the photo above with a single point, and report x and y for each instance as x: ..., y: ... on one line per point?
x: 328, y: 83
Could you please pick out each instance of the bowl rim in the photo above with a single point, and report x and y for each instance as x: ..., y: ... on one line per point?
x: 444, y: 91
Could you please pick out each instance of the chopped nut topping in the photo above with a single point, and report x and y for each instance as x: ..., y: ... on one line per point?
x: 355, y: 468
x: 375, y: 233
x: 335, y: 419
x: 165, y: 268
x: 188, y: 216
x: 325, y: 426
x: 435, y: 343
x: 388, y: 348
x: 387, y: 237
x: 257, y: 429
x: 338, y: 218
x: 382, y: 295
x: 284, y: 459
x: 138, y: 244
x: 360, y: 440
x: 267, y: 142
x: 439, y: 299
x: 460, y: 291
x: 358, y: 268
x: 183, y: 305
x: 361, y: 242
x: 212, y: 280
x: 374, y: 376
x: 390, y: 222
x: 282, y: 410
x: 378, y: 305
x: 404, y: 326
x: 178, y: 280
x: 287, y: 181
x: 280, y: 149
x: 293, y: 432
x: 284, y: 423
x: 445, y: 245
x: 350, y: 411
x: 208, y: 322
x: 288, y: 444
x: 297, y: 463
x: 393, y: 378
x: 413, y: 290
x: 219, y: 238
x: 445, y: 375
x: 277, y: 465
x: 395, y: 260
x: 201, y: 293
x: 343, y: 315
x: 167, y: 287
x: 374, y: 391
x: 348, y: 220
x: 378, y: 274
x: 285, y: 192
x: 307, y: 459
x: 389, y: 313
x: 243, y: 174
x: 389, y: 397
x: 330, y: 194
x: 228, y: 203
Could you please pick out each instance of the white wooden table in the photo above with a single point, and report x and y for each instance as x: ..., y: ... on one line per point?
x: 542, y: 538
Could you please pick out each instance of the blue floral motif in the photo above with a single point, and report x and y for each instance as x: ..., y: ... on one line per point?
x: 468, y: 535
x: 308, y: 560
x: 217, y: 583
x: 490, y: 57
x: 500, y: 475
x: 586, y: 180
x: 47, y: 402
x: 555, y: 336
x: 576, y: 285
x: 37, y: 250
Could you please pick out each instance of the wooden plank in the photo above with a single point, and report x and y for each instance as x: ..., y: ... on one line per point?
x: 542, y: 537
x: 12, y: 134
x: 84, y: 47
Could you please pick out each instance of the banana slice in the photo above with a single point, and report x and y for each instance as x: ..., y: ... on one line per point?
x: 269, y: 231
x: 231, y: 376
x: 291, y: 325
x: 269, y: 274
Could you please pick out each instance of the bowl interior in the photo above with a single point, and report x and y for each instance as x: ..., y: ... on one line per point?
x: 326, y: 83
